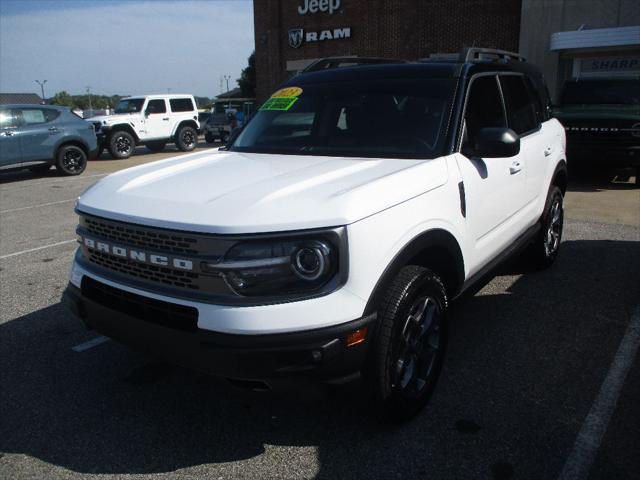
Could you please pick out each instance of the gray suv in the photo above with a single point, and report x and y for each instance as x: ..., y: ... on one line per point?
x: 38, y: 136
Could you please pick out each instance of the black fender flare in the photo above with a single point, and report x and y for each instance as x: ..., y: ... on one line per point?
x: 190, y: 123
x: 449, y: 263
x: 120, y: 127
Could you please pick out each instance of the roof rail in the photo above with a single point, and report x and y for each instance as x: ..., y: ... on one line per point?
x: 475, y: 54
x: 337, y: 62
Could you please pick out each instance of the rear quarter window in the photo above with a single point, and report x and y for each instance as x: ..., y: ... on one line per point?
x: 181, y: 105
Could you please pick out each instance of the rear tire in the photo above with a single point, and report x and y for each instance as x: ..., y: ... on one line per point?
x: 156, y: 146
x: 544, y: 248
x: 71, y: 160
x: 121, y: 144
x: 186, y: 139
x: 209, y: 138
x: 407, y: 353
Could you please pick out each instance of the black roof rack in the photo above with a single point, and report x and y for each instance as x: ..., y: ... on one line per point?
x: 475, y: 54
x: 337, y: 62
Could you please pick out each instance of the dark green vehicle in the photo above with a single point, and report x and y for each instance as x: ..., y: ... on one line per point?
x: 602, y: 121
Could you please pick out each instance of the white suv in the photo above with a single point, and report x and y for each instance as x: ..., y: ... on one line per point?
x: 327, y: 241
x: 151, y: 120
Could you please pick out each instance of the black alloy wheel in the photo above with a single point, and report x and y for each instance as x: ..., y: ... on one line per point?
x: 71, y: 160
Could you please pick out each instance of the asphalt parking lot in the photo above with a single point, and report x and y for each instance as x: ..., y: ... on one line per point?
x: 530, y: 358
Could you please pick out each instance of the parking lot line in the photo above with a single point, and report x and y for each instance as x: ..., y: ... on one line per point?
x: 36, y: 249
x: 94, y: 342
x: 595, y: 425
x: 36, y: 206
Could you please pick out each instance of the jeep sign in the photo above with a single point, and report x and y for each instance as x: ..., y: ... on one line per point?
x: 313, y: 6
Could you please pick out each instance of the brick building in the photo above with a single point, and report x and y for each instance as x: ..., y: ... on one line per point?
x: 290, y: 34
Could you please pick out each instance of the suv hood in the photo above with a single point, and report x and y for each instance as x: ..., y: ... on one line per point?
x: 231, y: 192
x: 115, y: 118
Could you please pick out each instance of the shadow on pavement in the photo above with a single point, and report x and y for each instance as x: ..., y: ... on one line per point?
x: 522, y: 369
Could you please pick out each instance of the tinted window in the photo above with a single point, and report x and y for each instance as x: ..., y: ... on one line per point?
x: 484, y: 107
x: 521, y: 110
x: 131, y: 105
x: 156, y: 106
x: 35, y: 116
x: 8, y: 119
x: 393, y: 118
x: 181, y: 105
x: 618, y: 92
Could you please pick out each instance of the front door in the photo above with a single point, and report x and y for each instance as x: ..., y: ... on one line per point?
x: 157, y: 122
x: 494, y: 187
x: 9, y: 138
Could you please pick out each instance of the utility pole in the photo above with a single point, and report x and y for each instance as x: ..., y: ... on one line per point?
x: 89, y: 93
x: 41, y: 83
x: 227, y: 77
x: 220, y: 84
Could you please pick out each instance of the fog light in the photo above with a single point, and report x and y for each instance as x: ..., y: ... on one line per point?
x: 359, y: 336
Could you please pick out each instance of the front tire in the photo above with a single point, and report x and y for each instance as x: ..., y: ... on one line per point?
x: 186, y: 139
x: 71, y: 160
x: 407, y: 352
x: 121, y: 144
x: 544, y: 249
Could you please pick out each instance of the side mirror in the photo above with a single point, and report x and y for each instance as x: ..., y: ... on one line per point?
x: 495, y: 142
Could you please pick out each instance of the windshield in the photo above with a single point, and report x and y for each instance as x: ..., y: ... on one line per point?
x: 615, y: 92
x: 385, y: 118
x: 132, y: 105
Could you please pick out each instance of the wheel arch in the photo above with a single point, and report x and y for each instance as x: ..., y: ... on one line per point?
x: 126, y: 127
x: 183, y: 123
x: 561, y: 176
x: 435, y: 249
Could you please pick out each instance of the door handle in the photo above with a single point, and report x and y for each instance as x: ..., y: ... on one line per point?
x: 166, y: 119
x: 53, y: 129
x: 548, y: 151
x: 515, y: 168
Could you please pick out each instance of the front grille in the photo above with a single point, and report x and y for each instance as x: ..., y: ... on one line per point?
x: 150, y: 310
x: 144, y: 272
x: 144, y: 237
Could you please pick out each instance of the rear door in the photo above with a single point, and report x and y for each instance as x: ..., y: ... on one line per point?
x: 39, y: 133
x: 494, y: 187
x: 9, y: 138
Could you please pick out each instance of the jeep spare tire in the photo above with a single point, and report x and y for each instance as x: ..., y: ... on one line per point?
x: 121, y: 144
x: 186, y: 138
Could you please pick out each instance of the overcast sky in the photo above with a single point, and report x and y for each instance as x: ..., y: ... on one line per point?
x: 123, y: 47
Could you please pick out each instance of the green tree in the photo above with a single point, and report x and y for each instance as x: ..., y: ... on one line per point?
x: 247, y: 80
x: 62, y: 98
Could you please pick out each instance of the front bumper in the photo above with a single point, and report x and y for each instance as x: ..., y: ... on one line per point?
x: 171, y: 332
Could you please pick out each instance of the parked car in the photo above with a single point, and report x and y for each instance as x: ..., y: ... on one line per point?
x: 202, y: 120
x: 151, y: 120
x: 602, y: 121
x: 38, y: 136
x: 327, y: 241
x: 219, y: 127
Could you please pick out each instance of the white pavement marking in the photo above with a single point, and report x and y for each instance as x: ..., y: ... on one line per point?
x: 36, y: 249
x: 37, y: 206
x: 595, y: 425
x: 94, y: 342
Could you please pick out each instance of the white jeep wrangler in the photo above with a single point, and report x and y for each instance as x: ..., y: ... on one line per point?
x: 329, y: 238
x: 151, y: 120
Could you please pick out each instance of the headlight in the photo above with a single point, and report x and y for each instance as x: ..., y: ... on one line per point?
x: 291, y: 266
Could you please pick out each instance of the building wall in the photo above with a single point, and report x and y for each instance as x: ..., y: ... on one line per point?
x: 541, y: 18
x: 407, y: 29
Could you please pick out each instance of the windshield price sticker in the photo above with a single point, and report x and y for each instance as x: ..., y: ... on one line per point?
x: 288, y: 92
x: 279, y: 103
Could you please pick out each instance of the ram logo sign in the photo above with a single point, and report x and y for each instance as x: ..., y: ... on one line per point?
x: 297, y: 35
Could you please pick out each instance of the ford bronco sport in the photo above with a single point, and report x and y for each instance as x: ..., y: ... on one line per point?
x: 151, y: 120
x: 328, y: 239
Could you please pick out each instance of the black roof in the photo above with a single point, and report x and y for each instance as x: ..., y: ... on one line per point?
x: 20, y: 98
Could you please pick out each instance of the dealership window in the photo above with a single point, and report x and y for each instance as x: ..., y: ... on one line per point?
x: 181, y: 105
x: 484, y: 108
x: 521, y: 111
x: 156, y: 106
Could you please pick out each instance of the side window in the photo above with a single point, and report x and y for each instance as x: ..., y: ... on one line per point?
x: 33, y: 116
x: 484, y: 108
x: 156, y: 106
x: 8, y: 119
x: 181, y: 105
x: 521, y: 110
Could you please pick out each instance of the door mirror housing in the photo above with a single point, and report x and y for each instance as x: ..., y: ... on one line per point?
x: 497, y: 142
